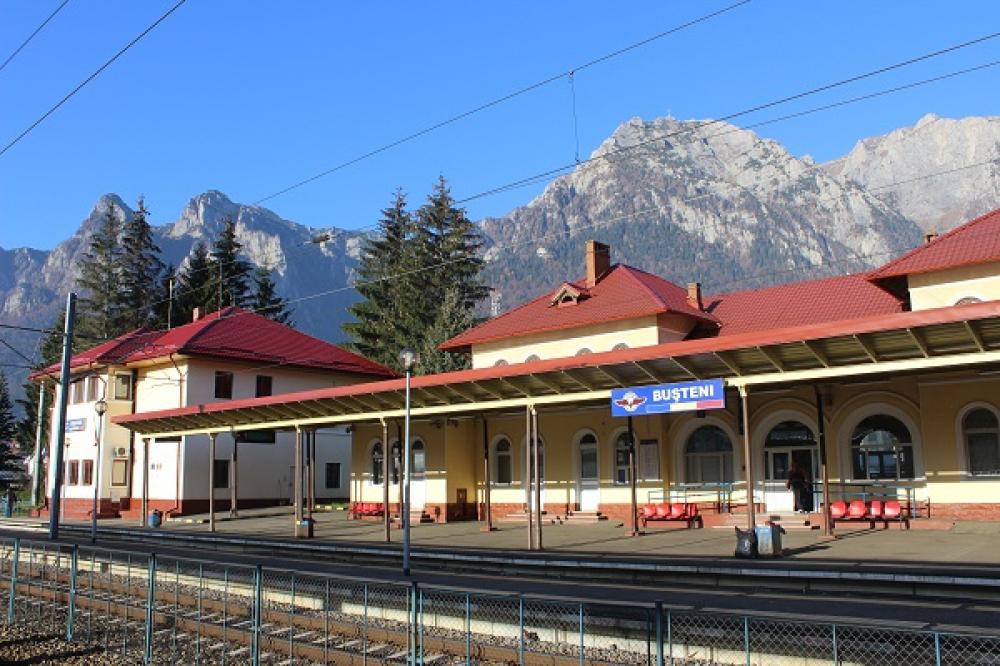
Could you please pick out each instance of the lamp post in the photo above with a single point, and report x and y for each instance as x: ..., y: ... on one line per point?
x: 100, y: 407
x: 407, y: 358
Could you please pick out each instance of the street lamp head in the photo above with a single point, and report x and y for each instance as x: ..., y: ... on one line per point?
x: 101, y: 406
x: 408, y: 358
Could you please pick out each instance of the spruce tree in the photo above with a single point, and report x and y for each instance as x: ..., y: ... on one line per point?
x: 101, y: 315
x: 452, y: 318
x: 266, y: 301
x: 9, y: 461
x: 195, y: 286
x: 141, y: 271
x: 383, y: 324
x: 230, y: 269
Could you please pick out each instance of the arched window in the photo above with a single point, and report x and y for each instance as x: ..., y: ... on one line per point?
x: 981, y: 430
x: 532, y: 358
x: 621, y: 346
x: 788, y: 442
x: 882, y: 448
x: 500, y: 363
x: 968, y: 300
x: 709, y: 456
x: 589, y: 468
x: 583, y: 352
x: 622, y: 469
x: 419, y: 457
x: 503, y: 469
x: 377, y: 460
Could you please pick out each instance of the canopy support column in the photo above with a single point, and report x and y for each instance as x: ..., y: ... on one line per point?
x: 634, y: 508
x: 824, y: 468
x: 487, y: 478
x: 145, y: 481
x: 310, y: 473
x: 538, y: 479
x: 211, y: 481
x: 748, y: 459
x: 297, y: 482
x: 385, y: 480
x: 529, y: 474
x: 234, y: 476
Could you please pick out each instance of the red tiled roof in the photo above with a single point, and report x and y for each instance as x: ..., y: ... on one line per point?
x: 800, y: 303
x: 975, y: 242
x: 623, y: 293
x: 234, y: 334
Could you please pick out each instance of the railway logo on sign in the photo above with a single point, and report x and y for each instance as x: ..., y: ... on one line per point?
x: 664, y: 398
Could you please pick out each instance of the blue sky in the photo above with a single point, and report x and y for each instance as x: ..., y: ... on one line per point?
x: 251, y: 96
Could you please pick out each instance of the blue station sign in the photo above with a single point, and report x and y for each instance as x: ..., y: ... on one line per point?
x: 664, y: 398
x: 76, y: 425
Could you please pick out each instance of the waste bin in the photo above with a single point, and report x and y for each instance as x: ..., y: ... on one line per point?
x: 746, y: 543
x: 155, y: 518
x: 769, y: 540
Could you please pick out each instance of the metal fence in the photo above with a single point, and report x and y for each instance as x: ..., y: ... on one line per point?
x: 153, y: 609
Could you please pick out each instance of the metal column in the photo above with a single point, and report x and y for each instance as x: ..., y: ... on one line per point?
x: 211, y: 481
x: 36, y: 466
x: 824, y: 468
x: 529, y: 475
x: 385, y: 480
x: 487, y: 477
x: 234, y: 475
x: 145, y: 482
x: 297, y: 482
x: 748, y: 459
x: 59, y: 442
x: 538, y: 479
x: 633, y: 513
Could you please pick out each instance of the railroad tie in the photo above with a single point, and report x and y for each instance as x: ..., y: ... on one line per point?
x: 320, y: 640
x: 238, y: 652
x: 241, y: 624
x: 215, y: 646
x: 403, y: 654
x: 432, y: 658
x: 160, y: 632
x: 378, y: 647
x: 304, y: 634
x: 349, y: 645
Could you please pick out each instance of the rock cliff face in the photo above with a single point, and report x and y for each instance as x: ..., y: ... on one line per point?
x: 892, y: 166
x: 694, y: 200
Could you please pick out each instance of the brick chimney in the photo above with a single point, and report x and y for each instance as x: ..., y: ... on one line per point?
x: 598, y: 261
x: 930, y: 236
x: 694, y: 295
x: 195, y: 315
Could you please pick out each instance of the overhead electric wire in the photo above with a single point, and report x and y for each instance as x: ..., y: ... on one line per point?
x: 15, y: 350
x: 499, y: 100
x: 90, y: 78
x: 32, y: 35
x: 737, y: 114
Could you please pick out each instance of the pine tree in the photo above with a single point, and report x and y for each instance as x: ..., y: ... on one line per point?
x: 195, y: 286
x: 383, y: 324
x: 100, y: 311
x: 9, y: 461
x: 230, y: 269
x: 453, y: 317
x: 141, y: 271
x: 266, y: 301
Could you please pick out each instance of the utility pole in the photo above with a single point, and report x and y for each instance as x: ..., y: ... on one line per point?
x: 59, y: 442
x: 36, y: 473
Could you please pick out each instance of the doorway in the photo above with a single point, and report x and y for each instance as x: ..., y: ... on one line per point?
x: 787, y: 443
x: 589, y: 483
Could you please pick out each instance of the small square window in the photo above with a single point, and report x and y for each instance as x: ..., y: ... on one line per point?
x: 264, y: 385
x: 88, y: 473
x: 76, y: 390
x: 123, y: 387
x: 333, y: 475
x: 223, y: 385
x: 220, y: 474
x: 119, y: 472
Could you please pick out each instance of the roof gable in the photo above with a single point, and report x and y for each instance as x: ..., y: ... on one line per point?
x: 975, y: 242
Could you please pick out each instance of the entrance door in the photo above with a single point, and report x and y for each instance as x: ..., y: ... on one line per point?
x: 778, y: 461
x: 589, y: 483
x: 418, y: 491
x: 530, y: 487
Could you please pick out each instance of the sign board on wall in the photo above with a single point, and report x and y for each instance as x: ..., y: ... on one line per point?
x: 664, y: 398
x: 76, y: 425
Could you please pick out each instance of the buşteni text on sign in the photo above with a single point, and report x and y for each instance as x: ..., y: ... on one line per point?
x: 663, y: 398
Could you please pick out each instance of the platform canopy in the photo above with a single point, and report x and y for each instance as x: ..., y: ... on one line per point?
x: 940, y: 339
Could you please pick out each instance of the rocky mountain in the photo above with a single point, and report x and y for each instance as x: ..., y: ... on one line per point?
x: 695, y: 201
x: 892, y: 166
x: 691, y: 200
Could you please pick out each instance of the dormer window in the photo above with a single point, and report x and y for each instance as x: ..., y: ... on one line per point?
x: 968, y: 300
x: 568, y: 294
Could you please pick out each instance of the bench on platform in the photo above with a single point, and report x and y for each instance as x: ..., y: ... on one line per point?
x: 360, y: 510
x: 665, y: 512
x: 874, y: 511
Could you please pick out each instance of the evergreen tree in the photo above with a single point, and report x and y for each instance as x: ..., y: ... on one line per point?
x: 194, y: 287
x: 141, y: 271
x: 453, y: 317
x: 383, y: 327
x: 229, y: 269
x: 101, y: 314
x: 9, y: 461
x: 266, y: 301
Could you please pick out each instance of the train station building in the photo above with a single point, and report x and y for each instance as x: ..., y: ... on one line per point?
x: 884, y: 384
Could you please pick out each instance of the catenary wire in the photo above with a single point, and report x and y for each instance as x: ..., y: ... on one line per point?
x: 32, y: 35
x: 90, y: 78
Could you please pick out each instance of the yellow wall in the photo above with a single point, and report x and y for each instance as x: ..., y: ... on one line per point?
x: 945, y: 288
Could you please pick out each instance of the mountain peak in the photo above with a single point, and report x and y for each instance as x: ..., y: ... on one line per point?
x: 107, y: 201
x: 927, y: 120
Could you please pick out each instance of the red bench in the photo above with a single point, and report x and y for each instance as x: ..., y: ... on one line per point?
x: 365, y: 510
x: 682, y: 512
x: 872, y: 512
